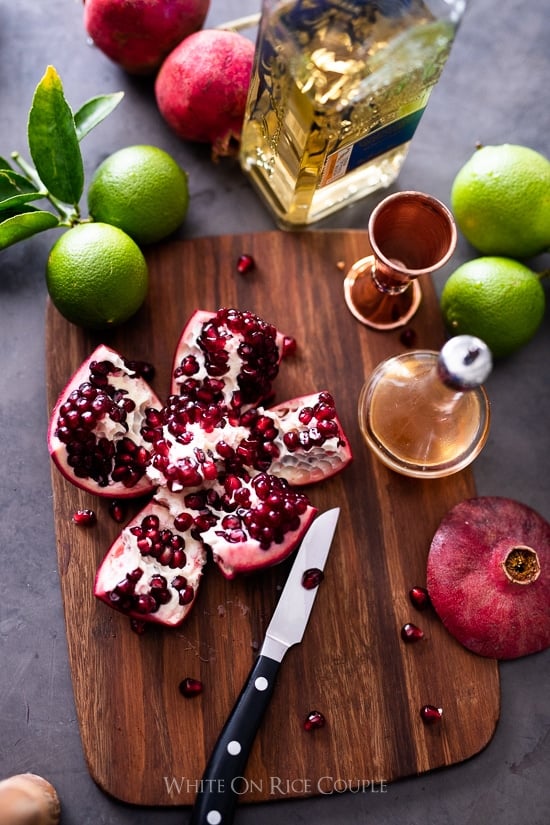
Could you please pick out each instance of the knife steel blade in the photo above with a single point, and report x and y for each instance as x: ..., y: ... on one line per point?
x: 219, y: 787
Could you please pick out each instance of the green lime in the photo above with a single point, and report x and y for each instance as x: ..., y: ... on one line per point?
x: 96, y: 275
x: 499, y: 300
x: 501, y: 201
x: 142, y: 190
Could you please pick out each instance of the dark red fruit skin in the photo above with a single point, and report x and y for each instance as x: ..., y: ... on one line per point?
x: 138, y: 34
x: 468, y: 588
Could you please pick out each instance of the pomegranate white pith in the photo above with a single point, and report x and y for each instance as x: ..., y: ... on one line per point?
x: 488, y: 577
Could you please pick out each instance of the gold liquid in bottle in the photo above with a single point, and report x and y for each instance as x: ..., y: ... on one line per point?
x: 337, y: 91
x: 425, y: 414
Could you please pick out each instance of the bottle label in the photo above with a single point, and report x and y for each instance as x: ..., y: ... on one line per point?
x: 346, y: 159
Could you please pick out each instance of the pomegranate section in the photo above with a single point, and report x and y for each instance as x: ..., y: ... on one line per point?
x: 100, y: 430
x: 233, y: 354
x: 488, y: 578
x: 152, y: 570
x: 247, y: 523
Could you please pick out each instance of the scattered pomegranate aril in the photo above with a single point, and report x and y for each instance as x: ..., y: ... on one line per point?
x: 84, y: 517
x: 411, y: 633
x: 190, y: 687
x: 117, y: 510
x: 312, y: 578
x: 245, y: 264
x: 419, y: 597
x: 408, y: 337
x: 314, y: 720
x: 430, y: 714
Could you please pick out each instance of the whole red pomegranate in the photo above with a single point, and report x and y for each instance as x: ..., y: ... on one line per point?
x: 138, y: 34
x: 202, y: 86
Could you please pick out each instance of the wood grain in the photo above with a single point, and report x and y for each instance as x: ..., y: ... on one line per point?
x: 146, y: 744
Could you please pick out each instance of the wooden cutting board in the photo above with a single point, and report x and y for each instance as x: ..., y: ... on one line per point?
x: 143, y: 741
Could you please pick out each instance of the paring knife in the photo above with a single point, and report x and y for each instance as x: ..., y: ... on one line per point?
x: 219, y: 787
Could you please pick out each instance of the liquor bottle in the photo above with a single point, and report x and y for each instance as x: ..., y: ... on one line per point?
x: 337, y: 90
x: 426, y: 414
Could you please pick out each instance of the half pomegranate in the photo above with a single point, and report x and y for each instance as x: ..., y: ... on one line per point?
x: 152, y: 570
x: 488, y: 577
x: 102, y: 425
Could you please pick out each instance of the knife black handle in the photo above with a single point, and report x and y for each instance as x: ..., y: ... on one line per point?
x: 220, y: 785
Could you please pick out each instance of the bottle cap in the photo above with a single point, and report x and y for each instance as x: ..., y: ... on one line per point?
x: 464, y: 362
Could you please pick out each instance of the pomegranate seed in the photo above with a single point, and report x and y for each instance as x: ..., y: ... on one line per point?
x: 430, y: 714
x: 245, y: 264
x: 312, y: 578
x: 138, y: 626
x: 313, y: 720
x: 117, y: 511
x: 419, y: 597
x: 411, y: 633
x: 289, y: 345
x: 84, y: 517
x: 408, y: 337
x: 190, y: 687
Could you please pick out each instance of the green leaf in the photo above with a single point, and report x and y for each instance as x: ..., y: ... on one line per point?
x: 23, y: 225
x: 5, y: 164
x: 94, y: 111
x: 15, y: 190
x: 53, y: 141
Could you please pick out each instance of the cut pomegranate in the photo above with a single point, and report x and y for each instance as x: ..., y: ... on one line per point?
x: 488, y: 577
x: 230, y: 355
x: 152, y: 570
x: 224, y: 469
x: 99, y: 431
x: 247, y: 522
x: 198, y: 441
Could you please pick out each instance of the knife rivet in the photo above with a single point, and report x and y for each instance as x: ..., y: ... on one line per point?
x: 213, y: 817
x: 261, y: 683
x: 233, y: 747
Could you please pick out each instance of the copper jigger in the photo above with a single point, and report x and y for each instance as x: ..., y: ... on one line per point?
x: 410, y: 234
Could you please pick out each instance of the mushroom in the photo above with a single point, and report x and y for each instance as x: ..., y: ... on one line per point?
x: 28, y: 799
x: 488, y: 577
